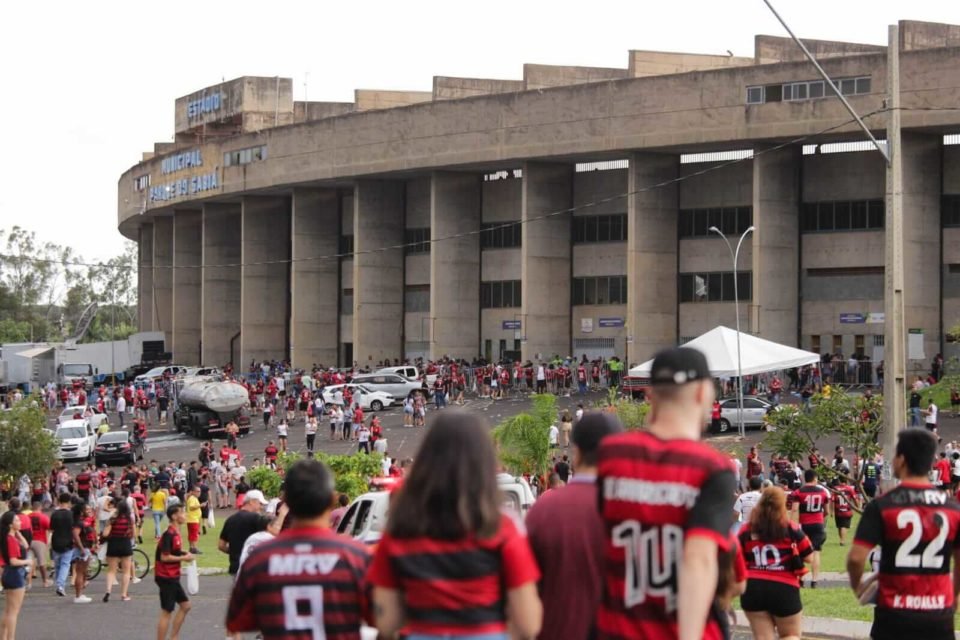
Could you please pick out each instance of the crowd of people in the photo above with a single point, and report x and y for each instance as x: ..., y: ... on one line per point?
x: 642, y: 534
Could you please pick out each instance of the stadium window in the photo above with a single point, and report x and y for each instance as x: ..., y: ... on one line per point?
x: 500, y: 294
x: 346, y: 244
x: 950, y: 211
x: 755, y: 95
x: 500, y: 235
x: 417, y: 240
x: 714, y: 287
x: 599, y: 290
x: 730, y: 220
x: 245, y: 156
x: 842, y: 215
x: 806, y: 90
x: 605, y: 228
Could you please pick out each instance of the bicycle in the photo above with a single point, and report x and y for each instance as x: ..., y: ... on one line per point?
x: 141, y: 565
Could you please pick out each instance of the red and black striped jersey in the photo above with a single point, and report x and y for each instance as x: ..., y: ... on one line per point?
x: 653, y: 495
x: 776, y: 560
x: 843, y: 496
x: 171, y: 545
x: 813, y: 500
x: 455, y: 587
x: 917, y: 529
x: 304, y: 584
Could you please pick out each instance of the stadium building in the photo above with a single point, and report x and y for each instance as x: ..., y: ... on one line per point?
x: 565, y: 213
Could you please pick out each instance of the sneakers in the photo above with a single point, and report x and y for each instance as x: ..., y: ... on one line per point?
x: 61, y: 593
x: 82, y: 600
x: 136, y: 580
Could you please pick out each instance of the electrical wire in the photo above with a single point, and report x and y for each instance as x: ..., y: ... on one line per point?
x: 545, y: 216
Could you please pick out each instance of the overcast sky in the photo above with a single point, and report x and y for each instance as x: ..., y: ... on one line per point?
x: 87, y: 89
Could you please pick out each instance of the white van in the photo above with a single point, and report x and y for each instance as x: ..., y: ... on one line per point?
x: 77, y: 439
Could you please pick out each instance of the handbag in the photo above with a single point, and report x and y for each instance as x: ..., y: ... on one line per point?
x: 193, y: 578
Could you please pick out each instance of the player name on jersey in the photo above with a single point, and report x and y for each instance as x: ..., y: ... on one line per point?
x: 302, y: 562
x: 926, y: 602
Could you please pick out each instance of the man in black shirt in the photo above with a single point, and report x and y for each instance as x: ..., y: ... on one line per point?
x: 241, y: 525
x: 563, y: 469
x: 61, y: 541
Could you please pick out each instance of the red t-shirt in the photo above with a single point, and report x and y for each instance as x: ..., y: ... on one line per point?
x: 942, y: 469
x: 455, y: 587
x: 774, y: 559
x: 813, y: 501
x: 844, y: 495
x: 170, y: 544
x: 40, y: 525
x: 13, y: 549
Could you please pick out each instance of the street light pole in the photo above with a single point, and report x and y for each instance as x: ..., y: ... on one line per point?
x: 735, y: 256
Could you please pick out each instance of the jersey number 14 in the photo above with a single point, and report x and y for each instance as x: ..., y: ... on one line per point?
x: 650, y: 559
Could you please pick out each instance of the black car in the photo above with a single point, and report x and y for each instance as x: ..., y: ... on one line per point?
x: 117, y: 446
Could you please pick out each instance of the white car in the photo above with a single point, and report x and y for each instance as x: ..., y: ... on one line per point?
x: 754, y: 411
x: 409, y: 371
x: 393, y: 383
x: 369, y: 399
x: 77, y: 439
x: 69, y: 414
x: 157, y: 373
x: 192, y: 372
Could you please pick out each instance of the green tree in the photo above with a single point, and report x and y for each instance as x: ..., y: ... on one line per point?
x: 631, y: 414
x: 25, y: 446
x: 523, y: 440
x: 857, y: 420
x: 352, y: 473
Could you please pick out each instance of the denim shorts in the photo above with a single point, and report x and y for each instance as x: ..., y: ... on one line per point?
x: 14, y: 577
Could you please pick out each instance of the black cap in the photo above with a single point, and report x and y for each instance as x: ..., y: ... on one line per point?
x: 679, y: 365
x: 592, y: 428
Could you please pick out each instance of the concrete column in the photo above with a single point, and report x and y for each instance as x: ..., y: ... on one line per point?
x: 145, y: 278
x: 163, y: 277
x: 378, y: 211
x: 921, y: 157
x: 220, y: 306
x: 652, y: 219
x: 774, y: 310
x: 265, y: 279
x: 187, y: 279
x: 546, y: 259
x: 455, y: 265
x: 314, y: 290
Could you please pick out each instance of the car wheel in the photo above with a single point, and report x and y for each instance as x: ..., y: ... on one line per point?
x: 376, y: 405
x: 724, y: 425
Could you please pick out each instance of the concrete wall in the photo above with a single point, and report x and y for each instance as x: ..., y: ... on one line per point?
x: 600, y: 259
x: 542, y: 76
x: 545, y: 255
x: 696, y: 318
x: 447, y: 88
x: 145, y: 278
x: 699, y: 255
x: 502, y: 200
x: 220, y: 312
x: 651, y: 255
x: 726, y: 186
x: 378, y: 329
x: 261, y: 103
x: 187, y: 286
x: 921, y: 246
x: 775, y: 257
x: 265, y: 279
x: 951, y: 246
x: 314, y: 284
x: 163, y: 277
x: 656, y: 63
x: 491, y: 328
x: 915, y: 34
x: 501, y: 264
x: 455, y: 265
x: 309, y: 111
x: 768, y: 49
x: 370, y: 99
x: 841, y: 249
x: 843, y: 176
x: 593, y: 313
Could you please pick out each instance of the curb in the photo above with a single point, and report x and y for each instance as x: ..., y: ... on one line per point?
x: 211, y: 571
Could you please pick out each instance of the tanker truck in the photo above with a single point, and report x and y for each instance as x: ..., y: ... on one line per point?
x: 205, y: 406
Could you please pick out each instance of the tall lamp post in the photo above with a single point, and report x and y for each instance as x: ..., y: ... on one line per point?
x: 735, y: 256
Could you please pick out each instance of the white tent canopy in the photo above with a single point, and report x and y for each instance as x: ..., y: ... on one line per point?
x: 759, y: 355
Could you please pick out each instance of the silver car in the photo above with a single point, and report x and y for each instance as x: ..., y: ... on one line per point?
x: 396, y: 385
x: 754, y: 410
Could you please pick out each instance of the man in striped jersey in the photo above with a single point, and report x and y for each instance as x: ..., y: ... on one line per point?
x: 308, y: 583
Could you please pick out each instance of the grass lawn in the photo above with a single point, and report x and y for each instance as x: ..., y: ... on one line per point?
x: 940, y: 392
x: 211, y: 556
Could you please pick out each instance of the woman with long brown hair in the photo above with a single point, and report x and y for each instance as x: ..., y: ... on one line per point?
x: 451, y: 564
x: 774, y: 549
x: 13, y: 552
x: 119, y: 536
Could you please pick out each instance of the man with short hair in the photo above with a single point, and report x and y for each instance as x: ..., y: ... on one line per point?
x: 916, y: 528
x: 40, y: 525
x: 666, y: 498
x: 567, y: 536
x: 241, y: 525
x: 169, y: 556
x: 322, y: 583
x: 930, y: 415
x: 747, y: 500
x: 61, y: 541
x: 194, y: 515
x: 812, y: 502
x: 845, y: 499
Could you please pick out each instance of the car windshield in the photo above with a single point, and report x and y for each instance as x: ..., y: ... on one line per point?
x: 117, y: 436
x: 65, y: 433
x: 77, y: 370
x: 362, y: 389
x: 155, y: 372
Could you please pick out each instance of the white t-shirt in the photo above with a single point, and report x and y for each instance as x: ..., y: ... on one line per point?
x: 578, y: 414
x: 385, y: 465
x: 311, y: 427
x: 282, y: 430
x: 255, y: 539
x: 363, y: 435
x: 102, y: 512
x: 738, y: 467
x: 554, y: 434
x: 541, y: 374
x: 380, y: 446
x: 745, y: 504
x: 931, y: 417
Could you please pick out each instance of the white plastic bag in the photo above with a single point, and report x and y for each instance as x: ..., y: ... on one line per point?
x: 102, y: 552
x: 193, y: 578
x: 211, y: 520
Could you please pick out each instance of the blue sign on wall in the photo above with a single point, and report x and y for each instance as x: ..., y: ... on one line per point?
x: 511, y: 325
x: 853, y: 318
x: 611, y: 322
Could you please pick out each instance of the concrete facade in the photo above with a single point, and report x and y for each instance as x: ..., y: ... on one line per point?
x: 314, y: 276
x: 378, y: 281
x: 220, y: 308
x: 264, y: 279
x: 187, y: 286
x: 397, y: 185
